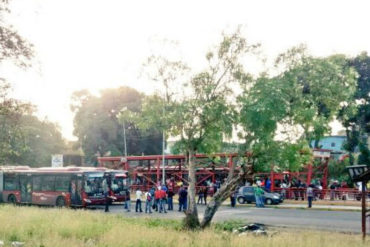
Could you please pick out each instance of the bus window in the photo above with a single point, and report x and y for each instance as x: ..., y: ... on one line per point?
x: 36, y: 183
x: 48, y: 183
x: 10, y: 182
x: 62, y: 183
x: 93, y: 184
x: 119, y: 184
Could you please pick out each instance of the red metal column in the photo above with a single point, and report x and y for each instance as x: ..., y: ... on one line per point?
x: 135, y: 173
x: 309, y: 174
x: 325, y: 176
x: 230, y: 163
x: 158, y: 170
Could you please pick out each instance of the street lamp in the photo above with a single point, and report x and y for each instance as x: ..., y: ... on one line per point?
x: 163, y: 147
x: 121, y: 116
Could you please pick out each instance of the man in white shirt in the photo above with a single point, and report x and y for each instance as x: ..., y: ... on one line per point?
x: 148, y: 202
x: 139, y: 194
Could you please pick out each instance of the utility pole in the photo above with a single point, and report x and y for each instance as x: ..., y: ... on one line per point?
x: 163, y: 147
x: 124, y: 138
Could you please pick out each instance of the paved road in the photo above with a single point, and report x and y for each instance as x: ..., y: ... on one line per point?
x: 312, y: 219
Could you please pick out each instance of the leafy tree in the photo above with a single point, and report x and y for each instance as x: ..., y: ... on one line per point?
x: 98, y: 129
x: 306, y: 95
x: 15, y: 49
x: 204, y: 114
x: 24, y: 139
x: 355, y: 116
x: 42, y: 139
x: 12, y: 142
x: 338, y: 171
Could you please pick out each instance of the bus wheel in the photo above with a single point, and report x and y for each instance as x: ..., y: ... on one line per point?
x: 60, y: 202
x: 12, y: 199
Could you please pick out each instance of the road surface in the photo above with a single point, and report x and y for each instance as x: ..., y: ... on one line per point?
x: 342, y: 221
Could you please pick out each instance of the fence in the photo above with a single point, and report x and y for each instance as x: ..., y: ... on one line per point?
x: 324, y: 194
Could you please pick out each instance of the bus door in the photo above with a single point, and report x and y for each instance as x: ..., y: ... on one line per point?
x: 25, y: 182
x: 76, y: 189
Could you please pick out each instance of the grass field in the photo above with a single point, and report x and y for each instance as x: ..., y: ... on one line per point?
x: 52, y: 227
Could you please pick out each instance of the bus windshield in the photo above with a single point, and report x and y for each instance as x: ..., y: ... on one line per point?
x: 93, y: 184
x: 119, y: 183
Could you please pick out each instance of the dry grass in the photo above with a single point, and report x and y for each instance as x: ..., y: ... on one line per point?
x: 66, y: 228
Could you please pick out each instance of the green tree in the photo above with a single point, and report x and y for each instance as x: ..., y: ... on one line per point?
x: 24, y: 139
x: 355, y: 116
x: 98, y: 129
x: 204, y: 114
x: 306, y: 95
x: 13, y: 47
x: 17, y: 50
x: 42, y: 140
x: 12, y: 141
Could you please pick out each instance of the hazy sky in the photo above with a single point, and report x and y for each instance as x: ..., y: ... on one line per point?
x: 99, y: 44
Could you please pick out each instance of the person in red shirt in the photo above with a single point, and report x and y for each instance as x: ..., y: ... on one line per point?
x: 157, y: 197
x: 162, y: 201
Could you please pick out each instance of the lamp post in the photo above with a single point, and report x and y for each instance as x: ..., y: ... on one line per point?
x: 163, y: 147
x: 121, y: 117
x: 356, y: 173
x: 124, y: 137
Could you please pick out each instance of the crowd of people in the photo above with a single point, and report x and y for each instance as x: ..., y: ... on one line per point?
x: 158, y: 199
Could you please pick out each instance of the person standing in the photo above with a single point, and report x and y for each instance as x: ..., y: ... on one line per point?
x: 164, y: 187
x: 201, y: 195
x: 170, y: 195
x: 106, y: 190
x: 205, y: 193
x: 268, y: 184
x: 214, y: 185
x: 162, y: 200
x: 283, y: 187
x: 258, y: 192
x: 157, y: 197
x: 152, y: 192
x: 233, y: 199
x: 128, y: 201
x: 183, y: 194
x: 310, y: 195
x: 139, y: 194
x: 181, y: 203
x: 148, y: 202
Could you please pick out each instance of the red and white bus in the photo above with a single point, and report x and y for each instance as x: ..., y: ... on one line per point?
x: 69, y: 186
x: 8, y: 176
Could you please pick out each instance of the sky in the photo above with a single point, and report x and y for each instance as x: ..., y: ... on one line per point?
x: 96, y: 44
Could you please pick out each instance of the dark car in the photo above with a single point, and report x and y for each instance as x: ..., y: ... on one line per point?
x: 246, y: 195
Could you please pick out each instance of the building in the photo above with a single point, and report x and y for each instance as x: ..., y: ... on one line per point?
x: 333, y: 143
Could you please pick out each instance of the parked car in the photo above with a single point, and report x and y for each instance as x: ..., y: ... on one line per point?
x: 246, y: 195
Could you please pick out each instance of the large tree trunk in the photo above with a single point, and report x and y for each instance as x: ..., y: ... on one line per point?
x: 191, y: 220
x: 224, y: 192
